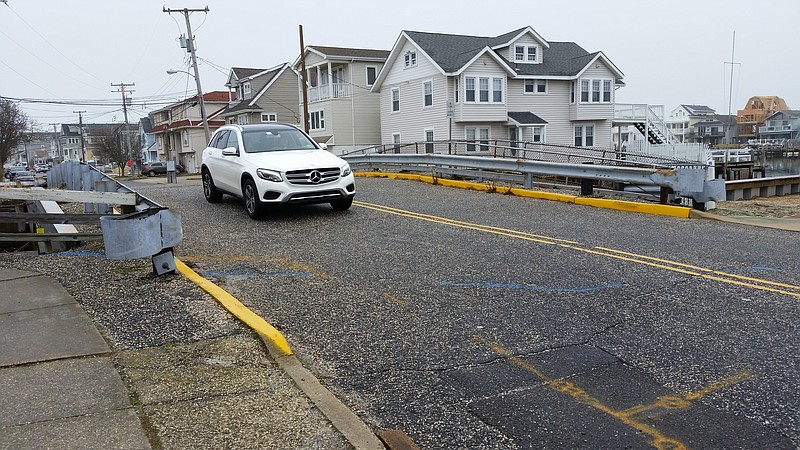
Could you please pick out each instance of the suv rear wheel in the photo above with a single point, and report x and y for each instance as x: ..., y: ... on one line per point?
x: 255, y: 209
x: 209, y: 190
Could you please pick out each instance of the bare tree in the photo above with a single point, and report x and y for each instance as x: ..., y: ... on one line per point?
x: 120, y: 146
x: 13, y: 123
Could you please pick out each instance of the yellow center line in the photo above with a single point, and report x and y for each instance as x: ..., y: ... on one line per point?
x: 674, y: 266
x: 395, y: 299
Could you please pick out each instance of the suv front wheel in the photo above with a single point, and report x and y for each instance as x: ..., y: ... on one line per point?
x: 255, y: 209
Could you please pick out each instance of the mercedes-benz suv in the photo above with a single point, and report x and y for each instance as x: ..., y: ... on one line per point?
x: 273, y: 164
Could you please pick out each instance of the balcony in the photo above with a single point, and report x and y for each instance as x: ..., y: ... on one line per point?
x: 329, y: 91
x: 775, y: 129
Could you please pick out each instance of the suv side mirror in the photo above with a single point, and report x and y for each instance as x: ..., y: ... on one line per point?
x: 230, y: 151
x: 323, y: 145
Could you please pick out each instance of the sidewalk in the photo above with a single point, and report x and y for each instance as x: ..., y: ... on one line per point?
x: 58, y: 385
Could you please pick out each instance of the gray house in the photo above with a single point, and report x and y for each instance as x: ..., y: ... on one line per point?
x: 781, y: 125
x: 513, y: 87
x: 263, y: 95
x: 342, y: 112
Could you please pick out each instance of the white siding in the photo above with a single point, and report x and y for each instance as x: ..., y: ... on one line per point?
x: 553, y: 107
x: 485, y: 66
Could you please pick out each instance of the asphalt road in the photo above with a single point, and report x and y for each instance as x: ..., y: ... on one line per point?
x: 479, y: 320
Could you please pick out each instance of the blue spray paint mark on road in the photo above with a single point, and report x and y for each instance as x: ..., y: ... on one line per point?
x: 533, y: 287
x: 258, y: 275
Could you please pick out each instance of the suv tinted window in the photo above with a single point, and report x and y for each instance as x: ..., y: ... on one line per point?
x: 220, y: 139
x: 233, y: 140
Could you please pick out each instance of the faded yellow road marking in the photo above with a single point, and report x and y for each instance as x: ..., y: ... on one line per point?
x: 395, y: 299
x: 674, y: 266
x: 654, y: 437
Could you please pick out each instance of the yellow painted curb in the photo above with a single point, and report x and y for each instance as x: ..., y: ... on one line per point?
x: 645, y: 208
x: 235, y: 307
x: 621, y: 205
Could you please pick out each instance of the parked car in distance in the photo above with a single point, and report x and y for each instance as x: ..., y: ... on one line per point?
x: 154, y: 168
x: 10, y: 171
x: 24, y: 178
x: 274, y: 164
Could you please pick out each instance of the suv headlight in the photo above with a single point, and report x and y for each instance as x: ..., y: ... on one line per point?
x: 346, y: 170
x: 269, y: 175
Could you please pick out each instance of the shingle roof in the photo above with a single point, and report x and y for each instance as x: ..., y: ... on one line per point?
x: 245, y: 72
x: 698, y: 109
x: 351, y: 52
x: 526, y: 118
x: 451, y: 52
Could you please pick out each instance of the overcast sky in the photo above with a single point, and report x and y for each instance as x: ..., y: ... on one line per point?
x: 671, y: 52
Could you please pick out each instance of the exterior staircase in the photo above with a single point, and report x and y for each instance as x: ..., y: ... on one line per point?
x: 648, y: 119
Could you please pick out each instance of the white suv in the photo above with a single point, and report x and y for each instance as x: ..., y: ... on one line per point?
x: 274, y: 164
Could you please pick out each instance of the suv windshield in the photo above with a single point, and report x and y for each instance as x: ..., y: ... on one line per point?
x: 257, y: 141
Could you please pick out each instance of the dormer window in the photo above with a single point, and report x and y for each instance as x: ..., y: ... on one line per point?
x: 411, y: 58
x: 246, y: 89
x: 526, y: 54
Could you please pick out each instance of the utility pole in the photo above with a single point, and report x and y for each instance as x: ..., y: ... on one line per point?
x: 121, y: 89
x: 80, y: 126
x: 190, y: 47
x: 57, y: 138
x: 303, y: 80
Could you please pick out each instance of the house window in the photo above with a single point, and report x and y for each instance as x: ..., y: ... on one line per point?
x: 497, y: 90
x: 396, y: 142
x: 185, y: 138
x: 600, y: 91
x: 469, y: 136
x: 428, y: 141
x: 269, y: 117
x: 584, y: 135
x: 470, y: 88
x: 596, y: 91
x: 395, y: 99
x: 572, y: 92
x: 535, y: 86
x: 483, y: 135
x: 519, y: 53
x: 456, y: 93
x: 246, y: 88
x: 606, y: 91
x: 372, y: 74
x: 427, y: 93
x: 584, y: 91
x: 411, y: 58
x: 317, y: 120
x: 529, y: 54
x: 484, y: 89
x: 242, y: 119
x: 538, y: 134
x: 532, y: 54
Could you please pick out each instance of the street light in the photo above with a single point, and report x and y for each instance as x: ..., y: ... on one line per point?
x: 200, y: 99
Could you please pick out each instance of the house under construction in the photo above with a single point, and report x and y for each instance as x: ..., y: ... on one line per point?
x: 755, y: 114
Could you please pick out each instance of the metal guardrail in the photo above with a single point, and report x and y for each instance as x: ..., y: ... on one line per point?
x: 686, y: 179
x: 142, y: 228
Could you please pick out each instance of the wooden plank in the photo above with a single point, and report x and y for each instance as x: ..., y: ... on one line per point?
x: 21, y: 217
x: 59, y: 195
x: 45, y: 237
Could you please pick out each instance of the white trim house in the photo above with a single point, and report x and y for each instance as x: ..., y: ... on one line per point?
x: 513, y: 87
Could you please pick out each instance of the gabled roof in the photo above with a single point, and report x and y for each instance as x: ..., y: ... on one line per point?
x: 241, y: 74
x: 342, y: 52
x: 250, y: 106
x: 786, y: 113
x: 451, y: 53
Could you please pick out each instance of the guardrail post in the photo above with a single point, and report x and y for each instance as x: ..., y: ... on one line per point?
x: 664, y: 195
x: 587, y: 184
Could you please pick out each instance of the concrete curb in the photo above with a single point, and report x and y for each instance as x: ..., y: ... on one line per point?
x: 341, y: 416
x: 620, y: 205
x: 765, y: 222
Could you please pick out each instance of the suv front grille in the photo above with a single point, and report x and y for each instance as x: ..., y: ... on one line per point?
x: 313, y: 176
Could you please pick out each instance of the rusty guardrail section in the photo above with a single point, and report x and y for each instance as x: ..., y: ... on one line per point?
x: 132, y: 225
